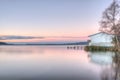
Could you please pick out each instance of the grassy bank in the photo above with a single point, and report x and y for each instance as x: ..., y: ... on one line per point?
x: 99, y: 48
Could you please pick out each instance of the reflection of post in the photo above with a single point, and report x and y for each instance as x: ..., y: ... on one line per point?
x: 75, y: 47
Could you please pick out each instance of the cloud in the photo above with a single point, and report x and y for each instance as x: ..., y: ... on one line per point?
x: 19, y: 37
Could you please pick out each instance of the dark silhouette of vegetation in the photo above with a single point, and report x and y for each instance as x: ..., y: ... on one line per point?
x: 99, y: 48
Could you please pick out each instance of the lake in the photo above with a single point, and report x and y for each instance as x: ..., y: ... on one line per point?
x: 53, y: 63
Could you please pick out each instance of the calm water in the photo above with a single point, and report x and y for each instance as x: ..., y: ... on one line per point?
x: 52, y: 63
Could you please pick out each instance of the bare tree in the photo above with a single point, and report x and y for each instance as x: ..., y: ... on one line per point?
x: 110, y: 22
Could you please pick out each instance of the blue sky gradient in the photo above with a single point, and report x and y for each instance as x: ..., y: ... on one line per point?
x: 45, y: 18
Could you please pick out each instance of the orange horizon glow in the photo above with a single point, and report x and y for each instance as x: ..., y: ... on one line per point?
x: 51, y: 38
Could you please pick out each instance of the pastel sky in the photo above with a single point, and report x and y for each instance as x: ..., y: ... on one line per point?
x: 51, y: 18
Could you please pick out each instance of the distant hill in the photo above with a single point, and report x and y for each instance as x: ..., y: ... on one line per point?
x: 78, y: 43
x: 3, y: 43
x: 70, y: 43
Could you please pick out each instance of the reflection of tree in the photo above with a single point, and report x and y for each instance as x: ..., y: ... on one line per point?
x: 110, y: 24
x: 105, y: 74
x: 112, y: 72
x: 116, y: 66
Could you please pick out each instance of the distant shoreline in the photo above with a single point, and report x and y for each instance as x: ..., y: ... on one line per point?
x: 43, y: 45
x: 79, y: 43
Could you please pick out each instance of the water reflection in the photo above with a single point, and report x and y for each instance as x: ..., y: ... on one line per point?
x: 110, y: 64
x: 46, y: 63
x: 20, y: 49
x: 116, y: 66
x: 57, y: 63
x: 101, y: 58
x: 114, y: 71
